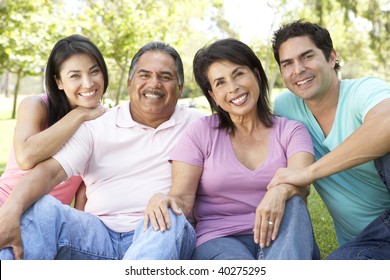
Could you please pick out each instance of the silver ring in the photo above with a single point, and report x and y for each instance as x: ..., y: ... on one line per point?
x: 270, y: 222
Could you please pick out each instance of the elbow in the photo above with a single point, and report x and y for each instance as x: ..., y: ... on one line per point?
x: 25, y: 163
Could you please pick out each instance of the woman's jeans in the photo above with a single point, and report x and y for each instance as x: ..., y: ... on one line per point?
x: 295, y: 240
x: 51, y: 230
x: 374, y: 241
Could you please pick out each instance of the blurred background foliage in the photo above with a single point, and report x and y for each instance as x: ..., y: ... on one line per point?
x: 29, y: 28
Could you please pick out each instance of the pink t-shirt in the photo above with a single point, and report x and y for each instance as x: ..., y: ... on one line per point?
x: 123, y: 163
x: 228, y: 192
x: 12, y: 174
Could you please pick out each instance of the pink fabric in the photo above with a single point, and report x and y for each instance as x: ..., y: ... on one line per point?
x: 228, y: 192
x: 12, y: 174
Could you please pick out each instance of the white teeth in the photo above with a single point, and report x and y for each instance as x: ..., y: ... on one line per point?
x: 304, y: 81
x: 153, y: 96
x: 239, y: 100
x: 87, y: 94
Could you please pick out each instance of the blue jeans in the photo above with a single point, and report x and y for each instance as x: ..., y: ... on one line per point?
x: 382, y: 165
x: 372, y: 243
x: 51, y: 230
x: 295, y: 240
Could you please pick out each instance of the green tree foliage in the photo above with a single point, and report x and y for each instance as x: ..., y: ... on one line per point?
x: 29, y: 28
x: 121, y: 27
x: 23, y: 38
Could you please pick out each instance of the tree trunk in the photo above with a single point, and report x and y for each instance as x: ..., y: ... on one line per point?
x: 16, y: 92
x: 6, y: 84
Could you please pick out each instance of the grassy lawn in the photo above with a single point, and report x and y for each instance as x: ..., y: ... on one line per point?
x: 322, y: 223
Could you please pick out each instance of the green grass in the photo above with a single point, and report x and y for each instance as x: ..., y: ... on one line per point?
x: 322, y: 223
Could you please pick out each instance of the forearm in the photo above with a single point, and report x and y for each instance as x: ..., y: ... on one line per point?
x: 186, y: 204
x: 46, y: 143
x: 362, y: 146
x: 36, y: 183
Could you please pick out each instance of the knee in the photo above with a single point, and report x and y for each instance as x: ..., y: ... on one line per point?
x: 295, y: 202
x: 296, y: 209
x: 177, y: 220
x: 46, y: 208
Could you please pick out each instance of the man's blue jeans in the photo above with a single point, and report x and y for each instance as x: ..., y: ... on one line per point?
x: 51, y: 230
x: 295, y: 240
x: 374, y: 241
x: 382, y: 165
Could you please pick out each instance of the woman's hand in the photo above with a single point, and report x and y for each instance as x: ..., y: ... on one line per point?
x: 269, y: 215
x: 157, y: 213
x: 91, y: 113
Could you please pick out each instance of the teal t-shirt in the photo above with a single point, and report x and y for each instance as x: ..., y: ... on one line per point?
x: 356, y: 196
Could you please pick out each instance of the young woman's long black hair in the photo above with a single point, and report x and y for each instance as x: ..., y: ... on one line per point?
x: 59, y: 104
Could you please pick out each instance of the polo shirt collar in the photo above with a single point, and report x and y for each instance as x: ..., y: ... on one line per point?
x: 124, y: 118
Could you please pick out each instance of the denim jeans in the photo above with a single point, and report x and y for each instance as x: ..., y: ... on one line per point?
x: 295, y: 240
x: 382, y: 165
x: 51, y: 230
x: 177, y: 243
x: 372, y: 243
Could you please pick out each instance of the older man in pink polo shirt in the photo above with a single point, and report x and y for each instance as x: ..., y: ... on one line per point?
x: 123, y: 159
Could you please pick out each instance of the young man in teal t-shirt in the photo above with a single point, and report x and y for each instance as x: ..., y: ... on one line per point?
x: 349, y: 121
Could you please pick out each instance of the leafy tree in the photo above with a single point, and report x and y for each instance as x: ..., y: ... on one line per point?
x: 24, y: 40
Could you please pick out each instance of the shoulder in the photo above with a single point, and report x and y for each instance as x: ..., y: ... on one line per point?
x: 285, y: 96
x: 34, y: 102
x: 285, y: 125
x: 185, y: 112
x: 365, y: 83
x: 205, y: 122
x: 287, y: 102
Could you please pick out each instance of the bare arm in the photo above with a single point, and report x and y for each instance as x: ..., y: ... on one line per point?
x: 271, y: 208
x: 370, y: 141
x: 181, y: 197
x: 32, y: 142
x: 29, y: 189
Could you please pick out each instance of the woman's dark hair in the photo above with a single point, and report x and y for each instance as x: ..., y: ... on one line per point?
x: 59, y: 104
x: 319, y: 35
x: 239, y: 53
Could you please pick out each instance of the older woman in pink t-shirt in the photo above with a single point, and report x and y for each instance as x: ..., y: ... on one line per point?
x: 76, y: 78
x: 223, y: 163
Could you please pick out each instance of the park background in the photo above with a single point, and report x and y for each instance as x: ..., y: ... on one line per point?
x: 29, y: 28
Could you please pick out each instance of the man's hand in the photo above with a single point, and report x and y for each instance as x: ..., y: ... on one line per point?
x: 10, y: 235
x: 298, y: 177
x: 157, y: 212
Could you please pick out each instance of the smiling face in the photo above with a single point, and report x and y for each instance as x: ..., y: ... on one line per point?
x: 82, y: 81
x: 234, y: 87
x: 154, y: 88
x: 305, y: 70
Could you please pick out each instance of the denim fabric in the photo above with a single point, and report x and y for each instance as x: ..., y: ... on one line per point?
x: 51, y: 230
x: 372, y: 243
x: 295, y: 240
x: 176, y: 243
x: 382, y: 165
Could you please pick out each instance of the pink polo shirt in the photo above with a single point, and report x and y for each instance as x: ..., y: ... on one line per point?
x: 123, y: 163
x: 12, y: 174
